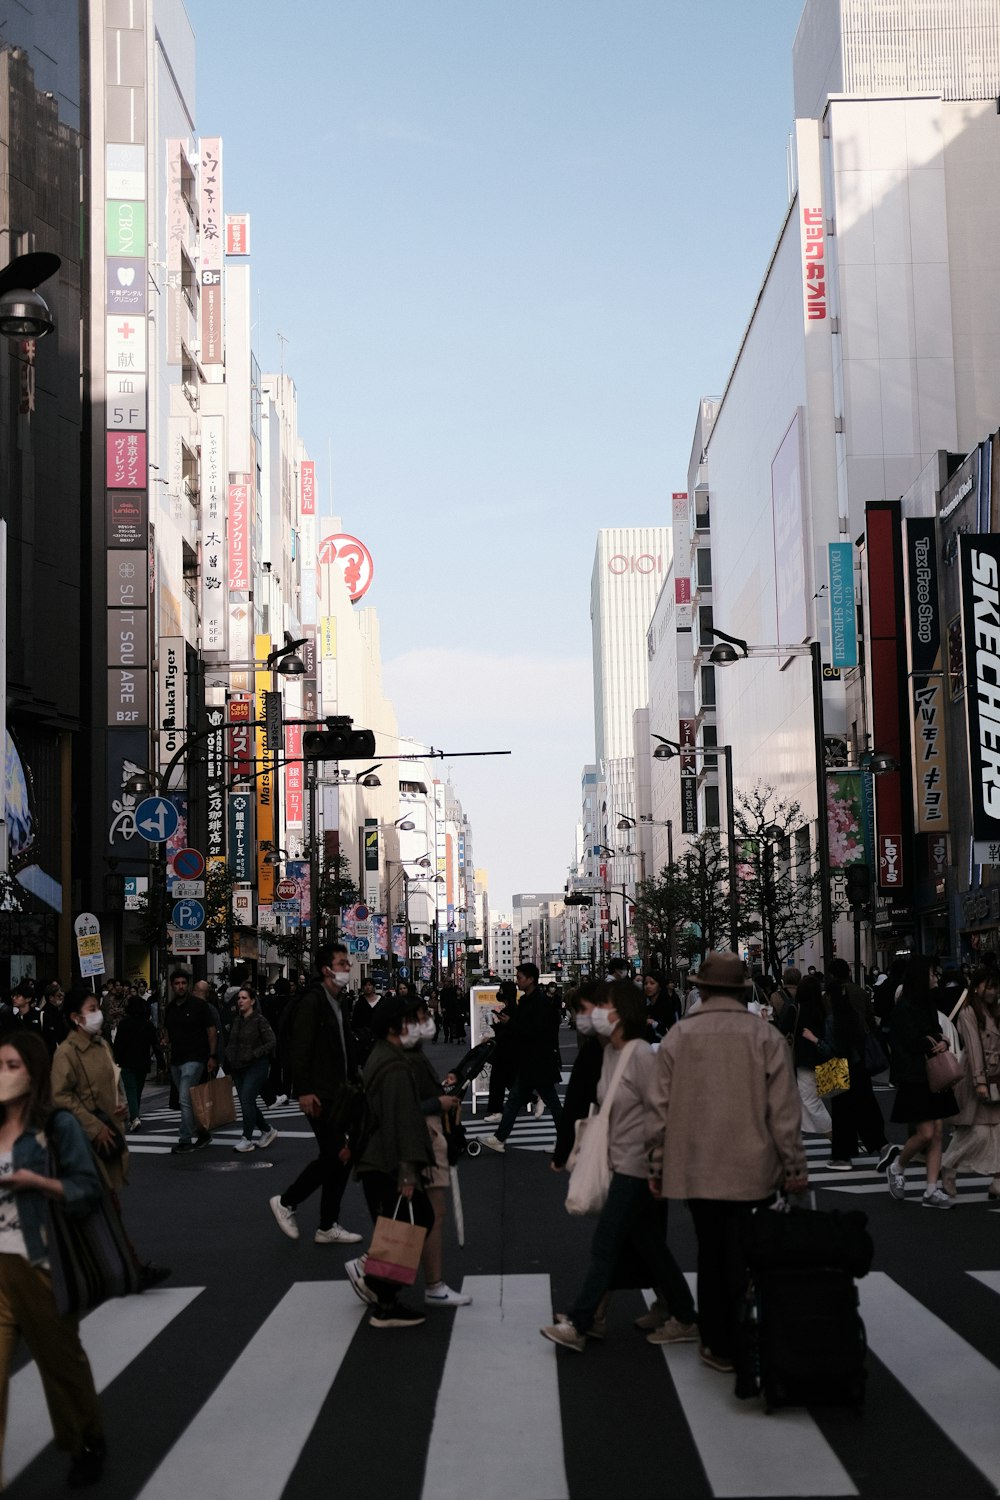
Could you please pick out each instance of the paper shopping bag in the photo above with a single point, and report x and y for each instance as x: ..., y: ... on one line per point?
x: 212, y: 1103
x: 396, y: 1248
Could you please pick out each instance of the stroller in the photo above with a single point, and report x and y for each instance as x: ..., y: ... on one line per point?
x: 470, y: 1067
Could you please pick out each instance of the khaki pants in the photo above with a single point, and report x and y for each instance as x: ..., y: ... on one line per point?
x: 28, y: 1307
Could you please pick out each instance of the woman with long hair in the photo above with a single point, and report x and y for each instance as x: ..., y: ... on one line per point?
x: 632, y: 1220
x: 916, y: 1035
x: 975, y: 1141
x: 27, y: 1305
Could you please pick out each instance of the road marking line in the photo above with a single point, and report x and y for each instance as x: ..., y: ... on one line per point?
x: 956, y: 1386
x: 988, y: 1278
x: 264, y: 1420
x: 744, y: 1451
x: 113, y: 1335
x: 471, y: 1450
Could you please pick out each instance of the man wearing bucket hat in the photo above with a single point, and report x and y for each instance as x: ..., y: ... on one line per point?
x: 723, y: 1131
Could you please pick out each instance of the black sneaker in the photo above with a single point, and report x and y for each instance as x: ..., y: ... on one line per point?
x: 88, y: 1465
x: 396, y: 1316
x: 887, y: 1157
x: 182, y: 1147
x: 203, y: 1139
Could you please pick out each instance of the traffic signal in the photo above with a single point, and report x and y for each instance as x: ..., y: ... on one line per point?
x: 859, y: 885
x: 339, y: 741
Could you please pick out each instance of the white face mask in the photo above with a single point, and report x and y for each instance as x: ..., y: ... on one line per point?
x: 585, y: 1024
x: 92, y: 1022
x: 427, y: 1030
x: 603, y: 1024
x: 410, y: 1037
x: 340, y: 977
x: 13, y: 1085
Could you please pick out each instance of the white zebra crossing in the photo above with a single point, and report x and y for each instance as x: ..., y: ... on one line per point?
x: 316, y: 1321
x: 113, y: 1335
x: 742, y: 1451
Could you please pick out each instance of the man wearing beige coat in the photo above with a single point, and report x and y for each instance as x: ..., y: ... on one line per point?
x: 723, y: 1131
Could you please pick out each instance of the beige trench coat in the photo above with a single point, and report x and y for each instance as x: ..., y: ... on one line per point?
x: 84, y: 1079
x: 724, y: 1115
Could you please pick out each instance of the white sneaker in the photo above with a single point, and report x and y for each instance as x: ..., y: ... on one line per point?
x: 356, y: 1276
x: 492, y: 1143
x: 281, y: 1099
x: 492, y: 1119
x: 336, y: 1235
x: 445, y: 1296
x: 936, y: 1199
x: 268, y: 1138
x: 539, y: 1108
x: 285, y: 1217
x: 244, y: 1145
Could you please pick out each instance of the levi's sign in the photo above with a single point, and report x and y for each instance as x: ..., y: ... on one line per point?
x: 980, y: 576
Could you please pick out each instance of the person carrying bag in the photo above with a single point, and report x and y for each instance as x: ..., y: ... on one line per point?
x: 589, y: 1161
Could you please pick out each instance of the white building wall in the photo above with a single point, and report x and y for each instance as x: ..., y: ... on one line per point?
x: 629, y: 566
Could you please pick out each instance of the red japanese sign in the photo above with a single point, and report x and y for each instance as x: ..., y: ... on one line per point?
x: 237, y: 234
x: 241, y: 740
x: 293, y: 775
x: 308, y: 481
x: 815, y: 267
x: 126, y: 460
x: 239, y: 537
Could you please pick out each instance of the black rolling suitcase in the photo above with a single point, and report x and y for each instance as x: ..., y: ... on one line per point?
x: 804, y: 1341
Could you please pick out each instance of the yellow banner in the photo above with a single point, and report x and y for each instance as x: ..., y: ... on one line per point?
x: 265, y: 777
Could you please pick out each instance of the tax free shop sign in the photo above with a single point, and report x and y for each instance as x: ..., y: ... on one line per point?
x: 980, y: 572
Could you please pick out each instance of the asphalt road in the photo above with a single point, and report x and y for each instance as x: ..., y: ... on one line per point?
x: 253, y: 1374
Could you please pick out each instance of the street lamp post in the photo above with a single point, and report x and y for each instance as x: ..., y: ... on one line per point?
x: 731, y: 649
x: 667, y: 750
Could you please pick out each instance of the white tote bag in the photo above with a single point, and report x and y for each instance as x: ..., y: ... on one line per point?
x: 590, y: 1168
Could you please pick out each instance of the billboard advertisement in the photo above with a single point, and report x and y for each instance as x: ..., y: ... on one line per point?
x: 979, y: 560
x: 924, y: 640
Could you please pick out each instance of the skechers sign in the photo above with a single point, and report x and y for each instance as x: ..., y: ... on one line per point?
x: 980, y: 570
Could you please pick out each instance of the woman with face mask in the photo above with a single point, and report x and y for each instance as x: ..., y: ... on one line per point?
x: 85, y: 1082
x: 437, y: 1107
x: 631, y: 1225
x: 248, y: 1058
x: 27, y: 1306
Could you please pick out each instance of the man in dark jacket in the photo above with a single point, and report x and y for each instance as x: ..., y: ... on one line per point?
x: 194, y: 1039
x: 322, y: 1063
x: 536, y: 1064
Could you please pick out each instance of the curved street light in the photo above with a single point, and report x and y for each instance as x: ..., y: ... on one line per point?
x: 667, y: 750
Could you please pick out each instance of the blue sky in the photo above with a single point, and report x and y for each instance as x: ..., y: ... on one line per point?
x: 510, y: 244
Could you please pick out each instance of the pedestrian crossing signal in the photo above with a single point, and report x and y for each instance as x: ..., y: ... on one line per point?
x: 859, y: 884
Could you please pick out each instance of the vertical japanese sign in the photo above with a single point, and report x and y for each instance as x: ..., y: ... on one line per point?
x: 239, y: 537
x: 307, y: 479
x: 371, y: 862
x: 237, y: 234
x: 689, y: 776
x: 843, y: 616
x: 213, y: 533
x: 215, y: 779
x: 293, y: 776
x: 980, y: 577
x: 241, y: 747
x: 924, y: 638
x: 171, y: 695
x: 241, y: 840
x: 266, y: 832
x: 210, y: 199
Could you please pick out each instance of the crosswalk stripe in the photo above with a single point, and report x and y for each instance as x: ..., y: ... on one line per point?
x: 474, y: 1448
x: 315, y: 1322
x: 988, y: 1278
x: 113, y: 1335
x: 956, y: 1386
x: 742, y: 1450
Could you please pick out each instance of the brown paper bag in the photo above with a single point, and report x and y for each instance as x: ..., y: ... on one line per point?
x: 396, y: 1247
x: 212, y: 1103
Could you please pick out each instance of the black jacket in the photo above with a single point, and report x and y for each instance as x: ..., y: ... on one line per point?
x: 321, y: 1060
x: 913, y: 1027
x: 581, y: 1093
x: 533, y: 1032
x: 135, y: 1040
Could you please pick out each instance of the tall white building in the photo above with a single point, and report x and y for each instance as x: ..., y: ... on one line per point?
x: 873, y: 343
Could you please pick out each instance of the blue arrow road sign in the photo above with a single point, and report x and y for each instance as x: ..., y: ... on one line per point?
x: 188, y: 915
x: 155, y: 820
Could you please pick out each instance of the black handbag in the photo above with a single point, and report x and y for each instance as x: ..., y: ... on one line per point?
x: 117, y: 1147
x: 89, y: 1255
x: 875, y: 1059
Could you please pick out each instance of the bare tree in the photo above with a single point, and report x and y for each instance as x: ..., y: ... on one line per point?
x: 779, y: 884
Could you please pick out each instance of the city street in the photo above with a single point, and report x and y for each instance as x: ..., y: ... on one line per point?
x: 252, y: 1373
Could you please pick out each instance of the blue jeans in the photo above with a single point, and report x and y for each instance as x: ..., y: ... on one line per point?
x: 249, y: 1082
x: 185, y: 1075
x: 517, y: 1097
x: 632, y: 1219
